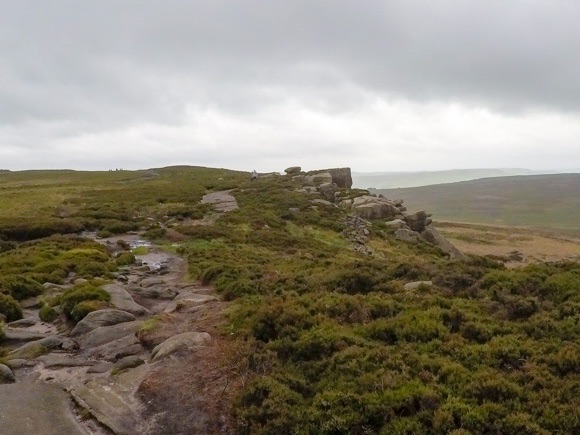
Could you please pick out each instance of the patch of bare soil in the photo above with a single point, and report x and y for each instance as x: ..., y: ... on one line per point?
x: 191, y: 393
x: 533, y: 244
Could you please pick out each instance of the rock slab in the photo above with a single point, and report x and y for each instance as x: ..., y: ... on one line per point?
x: 30, y: 408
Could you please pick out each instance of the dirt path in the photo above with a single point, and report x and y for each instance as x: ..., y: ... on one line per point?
x: 131, y: 377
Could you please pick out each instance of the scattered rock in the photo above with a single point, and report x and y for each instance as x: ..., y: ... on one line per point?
x: 186, y: 340
x: 322, y: 202
x: 6, y: 375
x: 371, y: 207
x: 397, y: 223
x: 100, y: 318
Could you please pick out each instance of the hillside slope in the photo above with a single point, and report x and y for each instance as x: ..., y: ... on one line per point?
x: 392, y: 180
x: 319, y: 336
x: 551, y: 201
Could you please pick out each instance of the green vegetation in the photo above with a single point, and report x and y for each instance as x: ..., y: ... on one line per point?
x: 10, y: 308
x: 331, y: 340
x: 80, y: 300
x: 47, y: 314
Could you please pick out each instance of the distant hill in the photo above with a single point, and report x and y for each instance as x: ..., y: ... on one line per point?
x: 391, y: 180
x: 551, y: 201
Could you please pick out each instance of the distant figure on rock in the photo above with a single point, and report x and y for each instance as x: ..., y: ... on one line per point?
x: 254, y: 175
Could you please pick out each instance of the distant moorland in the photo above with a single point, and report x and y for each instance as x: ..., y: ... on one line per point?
x: 549, y: 201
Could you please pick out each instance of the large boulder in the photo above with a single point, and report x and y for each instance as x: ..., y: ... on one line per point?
x: 433, y: 236
x: 100, y: 318
x: 342, y: 177
x: 418, y: 221
x: 407, y: 235
x: 293, y: 170
x: 371, y: 207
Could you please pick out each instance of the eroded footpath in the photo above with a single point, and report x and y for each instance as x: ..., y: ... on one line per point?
x: 124, y: 369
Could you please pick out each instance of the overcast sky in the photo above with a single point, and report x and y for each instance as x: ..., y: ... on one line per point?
x: 375, y: 85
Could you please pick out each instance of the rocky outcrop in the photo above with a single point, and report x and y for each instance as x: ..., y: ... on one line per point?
x: 410, y: 227
x: 342, y: 177
x: 36, y: 348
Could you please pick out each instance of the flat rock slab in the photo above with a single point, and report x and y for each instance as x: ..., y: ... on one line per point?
x: 19, y: 334
x: 187, y: 340
x: 29, y: 408
x: 100, y: 318
x: 112, y: 401
x: 108, y: 334
x: 187, y: 300
x: 63, y: 360
x: 222, y: 201
x: 122, y: 299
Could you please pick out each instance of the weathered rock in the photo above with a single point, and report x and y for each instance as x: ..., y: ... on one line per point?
x: 187, y: 340
x: 36, y: 348
x: 293, y: 170
x: 115, y: 349
x: 328, y: 191
x: 129, y: 362
x: 121, y: 299
x: 155, y: 293
x: 36, y: 408
x: 133, y: 349
x: 319, y: 178
x: 114, y: 404
x: 22, y: 323
x: 100, y: 318
x: 378, y: 209
x: 406, y: 235
x: 188, y: 300
x: 152, y: 281
x: 107, y: 334
x: 433, y: 236
x: 16, y: 363
x: 16, y: 335
x: 345, y: 203
x: 322, y: 202
x: 397, y: 223
x: 63, y: 360
x: 342, y: 177
x: 6, y: 375
x: 100, y: 367
x: 416, y: 284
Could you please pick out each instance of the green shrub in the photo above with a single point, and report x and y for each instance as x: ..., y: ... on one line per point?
x: 85, y: 292
x: 47, y: 314
x: 125, y: 259
x: 83, y: 308
x: 10, y: 308
x: 20, y: 287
